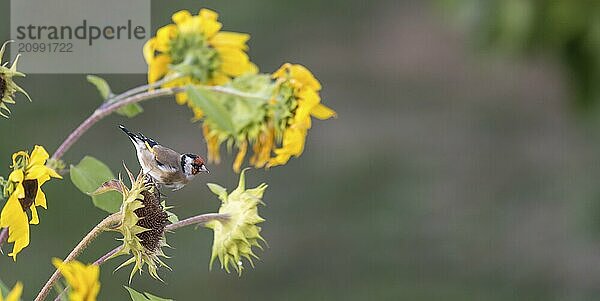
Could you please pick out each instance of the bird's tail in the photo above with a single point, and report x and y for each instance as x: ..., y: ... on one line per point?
x: 135, y: 138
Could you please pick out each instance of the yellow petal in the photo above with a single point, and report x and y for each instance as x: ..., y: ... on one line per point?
x: 15, y: 293
x: 82, y: 278
x: 209, y: 25
x: 208, y: 14
x: 234, y: 62
x: 307, y: 100
x: 16, y: 176
x: 164, y: 35
x: 282, y: 71
x: 181, y: 98
x: 304, y: 76
x: 230, y: 39
x: 53, y: 173
x: 262, y: 148
x: 293, y: 145
x: 148, y: 50
x: 181, y: 17
x: 37, y: 172
x: 239, y: 159
x: 15, y: 219
x: 35, y: 219
x: 40, y: 198
x: 322, y: 112
x: 212, y: 144
x: 158, y: 68
x: 39, y: 155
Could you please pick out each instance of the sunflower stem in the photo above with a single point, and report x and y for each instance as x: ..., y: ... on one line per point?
x: 106, y: 110
x: 139, y: 89
x: 108, y: 222
x: 194, y: 220
x: 197, y: 220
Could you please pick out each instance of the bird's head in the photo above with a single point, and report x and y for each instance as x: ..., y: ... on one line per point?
x: 192, y: 164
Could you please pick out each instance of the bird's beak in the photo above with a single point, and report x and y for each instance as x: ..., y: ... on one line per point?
x: 203, y: 168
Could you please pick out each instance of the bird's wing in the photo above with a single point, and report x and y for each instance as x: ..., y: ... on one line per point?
x: 167, y: 159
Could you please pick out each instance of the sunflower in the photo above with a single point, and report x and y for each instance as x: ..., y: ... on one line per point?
x: 83, y: 279
x: 235, y: 237
x: 195, y: 48
x: 8, y: 87
x: 299, y: 90
x: 273, y: 123
x: 24, y: 193
x: 143, y: 218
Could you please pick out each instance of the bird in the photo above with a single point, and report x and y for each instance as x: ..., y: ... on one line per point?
x: 165, y: 166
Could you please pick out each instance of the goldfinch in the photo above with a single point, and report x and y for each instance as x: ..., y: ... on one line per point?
x: 166, y: 166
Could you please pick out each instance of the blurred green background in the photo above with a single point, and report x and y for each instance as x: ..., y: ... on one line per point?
x: 454, y: 171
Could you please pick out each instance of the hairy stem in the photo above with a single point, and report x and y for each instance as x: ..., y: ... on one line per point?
x: 195, y: 220
x: 139, y: 89
x: 104, y: 111
x: 108, y: 222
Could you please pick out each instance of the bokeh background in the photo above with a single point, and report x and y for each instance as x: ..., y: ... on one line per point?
x: 464, y: 164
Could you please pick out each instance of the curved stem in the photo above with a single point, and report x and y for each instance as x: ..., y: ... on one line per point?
x: 140, y: 89
x: 82, y: 245
x: 107, y: 110
x: 195, y: 220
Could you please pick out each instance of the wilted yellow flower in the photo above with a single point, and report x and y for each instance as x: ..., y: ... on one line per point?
x: 274, y: 121
x: 305, y: 97
x: 235, y: 237
x: 143, y: 220
x: 14, y: 294
x: 8, y: 87
x: 195, y: 47
x: 83, y: 279
x: 24, y: 193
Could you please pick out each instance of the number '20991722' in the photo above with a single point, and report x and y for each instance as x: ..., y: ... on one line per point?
x: 45, y: 47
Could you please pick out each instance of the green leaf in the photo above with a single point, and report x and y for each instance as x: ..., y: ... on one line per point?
x: 89, y: 174
x: 101, y: 85
x: 137, y: 296
x: 130, y: 110
x: 212, y: 108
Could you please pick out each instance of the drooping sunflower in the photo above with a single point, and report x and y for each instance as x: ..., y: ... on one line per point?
x: 8, y: 87
x: 196, y: 48
x: 299, y: 89
x: 25, y: 194
x: 273, y: 122
x: 82, y: 279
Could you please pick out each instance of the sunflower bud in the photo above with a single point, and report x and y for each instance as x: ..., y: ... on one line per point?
x: 143, y: 221
x: 235, y: 237
x: 8, y: 88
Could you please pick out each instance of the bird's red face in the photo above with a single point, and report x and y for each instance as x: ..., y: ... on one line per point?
x: 198, y: 166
